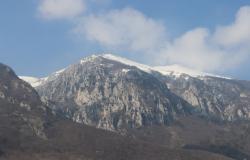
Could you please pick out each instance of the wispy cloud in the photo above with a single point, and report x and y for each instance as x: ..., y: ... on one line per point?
x: 60, y: 9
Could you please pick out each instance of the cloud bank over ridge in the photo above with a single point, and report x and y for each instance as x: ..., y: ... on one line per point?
x: 129, y: 30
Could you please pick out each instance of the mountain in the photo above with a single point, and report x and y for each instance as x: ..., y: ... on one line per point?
x: 164, y: 106
x: 22, y: 114
x: 105, y: 93
x: 20, y: 105
x: 29, y: 130
x: 102, y: 90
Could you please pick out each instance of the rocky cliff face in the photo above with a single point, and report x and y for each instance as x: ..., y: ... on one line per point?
x: 28, y: 130
x: 111, y: 95
x: 114, y: 93
x: 213, y: 97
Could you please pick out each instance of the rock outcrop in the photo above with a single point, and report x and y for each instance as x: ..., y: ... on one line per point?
x: 111, y: 95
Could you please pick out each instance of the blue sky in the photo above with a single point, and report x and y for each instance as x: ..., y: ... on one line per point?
x: 38, y: 37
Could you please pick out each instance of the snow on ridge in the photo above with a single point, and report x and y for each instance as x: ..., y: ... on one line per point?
x: 125, y: 70
x: 89, y: 58
x: 33, y: 81
x: 117, y: 59
x: 128, y: 62
x: 178, y: 70
x: 171, y: 70
x: 59, y: 72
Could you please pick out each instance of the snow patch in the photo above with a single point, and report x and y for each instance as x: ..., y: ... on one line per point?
x: 57, y: 73
x: 177, y: 70
x: 243, y: 95
x: 125, y: 70
x: 127, y: 62
x: 88, y: 59
x: 33, y: 81
x: 172, y: 70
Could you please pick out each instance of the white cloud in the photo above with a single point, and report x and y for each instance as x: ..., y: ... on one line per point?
x: 196, y: 49
x: 126, y: 29
x: 227, y: 47
x: 238, y: 33
x: 129, y: 30
x: 60, y: 9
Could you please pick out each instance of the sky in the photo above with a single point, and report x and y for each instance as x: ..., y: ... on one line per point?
x: 38, y: 37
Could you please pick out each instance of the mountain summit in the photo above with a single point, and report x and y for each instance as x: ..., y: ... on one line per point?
x: 102, y: 91
x: 112, y: 92
x: 174, y: 70
x: 28, y: 131
x: 159, y: 116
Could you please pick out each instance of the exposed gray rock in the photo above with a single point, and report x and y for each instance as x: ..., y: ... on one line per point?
x: 219, y: 98
x: 110, y: 95
x: 114, y: 93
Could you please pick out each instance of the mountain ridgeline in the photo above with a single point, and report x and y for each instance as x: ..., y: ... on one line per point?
x: 30, y: 130
x: 114, y: 93
x: 111, y: 95
x: 106, y: 107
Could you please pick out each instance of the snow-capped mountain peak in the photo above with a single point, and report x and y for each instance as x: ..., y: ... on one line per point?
x: 128, y: 62
x: 89, y: 58
x: 119, y: 59
x: 170, y: 70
